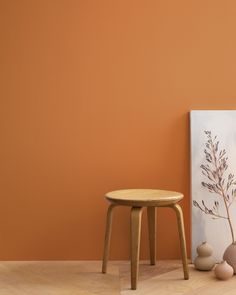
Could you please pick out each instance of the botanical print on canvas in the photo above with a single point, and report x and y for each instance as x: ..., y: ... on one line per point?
x: 213, y: 163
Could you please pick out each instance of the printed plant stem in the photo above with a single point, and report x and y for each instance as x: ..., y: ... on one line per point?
x: 219, y: 182
x: 222, y: 192
x: 228, y: 217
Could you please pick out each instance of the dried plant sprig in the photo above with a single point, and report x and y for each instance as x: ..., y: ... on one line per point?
x: 218, y: 183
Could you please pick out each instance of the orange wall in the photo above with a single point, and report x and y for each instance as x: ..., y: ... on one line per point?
x: 95, y: 96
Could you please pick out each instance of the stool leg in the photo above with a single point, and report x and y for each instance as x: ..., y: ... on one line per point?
x: 107, y: 237
x: 151, y: 213
x: 136, y: 214
x: 180, y: 220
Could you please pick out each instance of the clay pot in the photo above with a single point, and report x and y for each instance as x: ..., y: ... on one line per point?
x: 230, y: 256
x: 204, y: 263
x: 224, y: 271
x: 204, y: 249
x: 204, y: 260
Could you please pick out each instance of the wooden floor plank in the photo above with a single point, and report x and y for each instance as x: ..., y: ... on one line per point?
x: 85, y: 278
x: 59, y: 278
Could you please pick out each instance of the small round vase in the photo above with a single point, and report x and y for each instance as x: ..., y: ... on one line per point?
x: 224, y: 271
x: 230, y: 256
x: 204, y: 250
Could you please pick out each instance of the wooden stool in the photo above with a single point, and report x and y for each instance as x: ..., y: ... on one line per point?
x: 137, y: 199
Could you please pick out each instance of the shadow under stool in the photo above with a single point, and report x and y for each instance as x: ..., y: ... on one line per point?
x: 137, y: 199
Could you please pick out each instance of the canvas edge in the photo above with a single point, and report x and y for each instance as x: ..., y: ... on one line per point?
x: 191, y: 114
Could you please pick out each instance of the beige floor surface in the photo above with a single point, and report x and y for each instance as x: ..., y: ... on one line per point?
x: 84, y: 277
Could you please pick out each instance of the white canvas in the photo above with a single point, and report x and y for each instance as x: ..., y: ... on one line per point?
x: 208, y: 227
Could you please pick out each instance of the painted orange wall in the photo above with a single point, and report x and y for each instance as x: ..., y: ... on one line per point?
x: 95, y: 96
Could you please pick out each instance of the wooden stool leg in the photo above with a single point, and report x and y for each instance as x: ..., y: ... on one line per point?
x: 107, y: 237
x: 136, y: 214
x: 180, y: 220
x: 151, y: 213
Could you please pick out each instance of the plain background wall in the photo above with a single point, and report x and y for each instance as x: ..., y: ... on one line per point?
x: 95, y: 96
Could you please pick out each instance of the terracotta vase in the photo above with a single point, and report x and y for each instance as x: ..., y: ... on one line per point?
x: 230, y: 255
x: 224, y: 271
x: 204, y: 260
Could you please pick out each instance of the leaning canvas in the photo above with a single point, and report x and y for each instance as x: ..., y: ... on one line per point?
x: 213, y: 179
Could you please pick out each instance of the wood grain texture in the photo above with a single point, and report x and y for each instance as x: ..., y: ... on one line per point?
x: 171, y: 283
x: 107, y: 237
x: 57, y: 278
x: 85, y: 278
x: 180, y: 221
x: 135, y: 232
x: 151, y: 213
x: 144, y: 197
x: 150, y: 198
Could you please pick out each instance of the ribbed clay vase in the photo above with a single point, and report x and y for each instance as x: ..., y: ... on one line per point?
x: 224, y: 271
x: 230, y: 256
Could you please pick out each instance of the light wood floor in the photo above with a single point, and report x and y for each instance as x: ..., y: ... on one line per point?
x: 85, y: 277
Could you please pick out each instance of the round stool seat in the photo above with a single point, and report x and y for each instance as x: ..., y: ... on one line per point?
x: 144, y: 197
